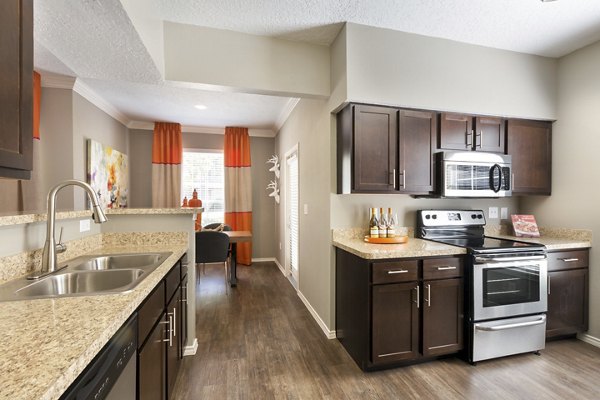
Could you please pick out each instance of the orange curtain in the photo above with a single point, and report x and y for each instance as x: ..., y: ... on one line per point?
x: 238, y: 187
x: 167, y: 152
x: 37, y: 97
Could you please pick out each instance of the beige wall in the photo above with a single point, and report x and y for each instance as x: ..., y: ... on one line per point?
x: 575, y: 175
x: 263, y: 211
x: 89, y: 122
x: 245, y: 62
x: 391, y: 67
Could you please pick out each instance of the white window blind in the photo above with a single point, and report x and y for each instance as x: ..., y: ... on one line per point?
x: 293, y: 221
x: 204, y: 171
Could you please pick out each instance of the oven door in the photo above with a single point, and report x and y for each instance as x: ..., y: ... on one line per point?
x: 509, y: 286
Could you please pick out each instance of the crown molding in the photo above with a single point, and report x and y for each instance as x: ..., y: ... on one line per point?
x: 285, y: 113
x: 58, y: 81
x: 149, y: 126
x: 90, y: 95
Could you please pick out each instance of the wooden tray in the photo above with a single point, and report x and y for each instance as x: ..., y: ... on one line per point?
x: 392, y: 240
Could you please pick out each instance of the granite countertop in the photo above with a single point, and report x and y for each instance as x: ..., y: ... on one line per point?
x: 29, y: 217
x: 47, y: 343
x: 351, y: 240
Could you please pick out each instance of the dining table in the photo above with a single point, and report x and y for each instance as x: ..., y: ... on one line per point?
x: 236, y: 237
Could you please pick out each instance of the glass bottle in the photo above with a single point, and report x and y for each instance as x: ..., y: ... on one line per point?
x: 391, y: 223
x: 373, y: 224
x: 382, y: 224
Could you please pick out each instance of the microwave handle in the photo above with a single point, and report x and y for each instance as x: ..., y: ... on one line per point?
x: 496, y: 166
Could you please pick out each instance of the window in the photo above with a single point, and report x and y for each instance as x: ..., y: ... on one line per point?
x: 203, y: 170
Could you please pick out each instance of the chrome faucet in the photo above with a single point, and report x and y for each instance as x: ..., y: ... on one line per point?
x: 50, y: 247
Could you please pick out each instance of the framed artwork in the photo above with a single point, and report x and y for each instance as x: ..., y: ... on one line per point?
x: 107, y: 174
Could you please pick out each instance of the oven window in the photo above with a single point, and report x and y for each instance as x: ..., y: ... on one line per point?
x: 511, y: 285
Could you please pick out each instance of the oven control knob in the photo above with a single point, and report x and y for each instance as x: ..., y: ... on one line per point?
x: 473, y: 216
x: 479, y: 216
x: 427, y: 216
x: 434, y: 216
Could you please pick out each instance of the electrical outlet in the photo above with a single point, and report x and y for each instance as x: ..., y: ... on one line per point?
x: 504, y: 213
x: 84, y: 225
x: 493, y: 213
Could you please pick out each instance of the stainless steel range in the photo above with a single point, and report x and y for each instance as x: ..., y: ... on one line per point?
x: 506, y: 284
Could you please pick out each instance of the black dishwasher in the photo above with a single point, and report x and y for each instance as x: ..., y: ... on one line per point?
x: 112, y: 373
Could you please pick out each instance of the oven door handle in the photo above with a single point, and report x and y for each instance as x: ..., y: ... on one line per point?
x: 485, y: 260
x: 539, y: 321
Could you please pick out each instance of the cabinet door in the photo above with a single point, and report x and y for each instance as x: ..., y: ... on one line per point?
x: 567, y: 302
x: 529, y: 143
x: 375, y: 146
x: 395, y: 322
x: 417, y: 142
x: 456, y: 132
x: 489, y: 134
x: 16, y: 81
x: 151, y: 364
x: 173, y: 346
x: 442, y: 316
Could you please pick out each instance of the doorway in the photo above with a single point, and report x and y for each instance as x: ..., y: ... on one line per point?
x: 292, y: 222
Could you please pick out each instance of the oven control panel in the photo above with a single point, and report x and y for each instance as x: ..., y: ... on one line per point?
x: 432, y: 218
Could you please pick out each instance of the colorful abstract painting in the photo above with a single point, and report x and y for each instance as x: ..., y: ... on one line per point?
x: 107, y: 174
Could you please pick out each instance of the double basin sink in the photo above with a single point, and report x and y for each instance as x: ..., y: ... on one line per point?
x: 87, y: 275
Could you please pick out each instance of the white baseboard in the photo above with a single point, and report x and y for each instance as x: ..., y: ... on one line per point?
x: 191, y: 350
x: 584, y: 337
x: 329, y: 333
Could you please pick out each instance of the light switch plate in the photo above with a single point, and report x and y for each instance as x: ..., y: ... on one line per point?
x: 504, y: 213
x: 493, y: 213
x: 84, y: 225
x: 306, y: 209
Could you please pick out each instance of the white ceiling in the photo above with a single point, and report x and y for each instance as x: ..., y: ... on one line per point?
x: 96, y: 41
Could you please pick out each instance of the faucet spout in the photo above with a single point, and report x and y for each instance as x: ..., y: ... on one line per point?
x: 49, y: 261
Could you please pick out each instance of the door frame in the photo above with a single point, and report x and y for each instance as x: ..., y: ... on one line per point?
x: 286, y: 256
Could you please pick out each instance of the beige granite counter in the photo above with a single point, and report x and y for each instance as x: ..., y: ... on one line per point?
x: 352, y: 240
x: 27, y: 218
x: 47, y: 343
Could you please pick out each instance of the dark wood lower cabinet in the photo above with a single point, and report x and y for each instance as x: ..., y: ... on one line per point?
x: 443, y: 316
x: 174, y: 345
x: 151, y: 359
x: 567, y: 302
x: 183, y: 324
x: 387, y: 315
x: 395, y: 323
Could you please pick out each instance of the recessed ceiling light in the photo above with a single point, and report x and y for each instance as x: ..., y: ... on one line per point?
x: 200, y: 106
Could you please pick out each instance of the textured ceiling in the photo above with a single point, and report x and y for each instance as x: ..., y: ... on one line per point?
x: 96, y: 41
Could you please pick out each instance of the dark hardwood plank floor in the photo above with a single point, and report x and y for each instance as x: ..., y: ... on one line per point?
x: 258, y: 341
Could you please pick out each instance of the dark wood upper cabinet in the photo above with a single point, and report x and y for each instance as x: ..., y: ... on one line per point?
x: 467, y: 132
x: 417, y: 142
x: 16, y: 81
x: 375, y: 143
x: 529, y: 143
x: 489, y: 134
x: 456, y: 132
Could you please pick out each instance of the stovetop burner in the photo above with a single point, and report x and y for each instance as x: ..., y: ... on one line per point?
x: 464, y: 228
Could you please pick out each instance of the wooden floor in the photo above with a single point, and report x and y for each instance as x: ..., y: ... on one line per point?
x: 258, y: 341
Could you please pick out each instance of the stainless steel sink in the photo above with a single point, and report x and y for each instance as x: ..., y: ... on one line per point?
x: 87, y: 275
x: 120, y: 261
x: 82, y: 282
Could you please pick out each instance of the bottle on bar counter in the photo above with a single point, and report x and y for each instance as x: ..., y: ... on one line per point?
x: 373, y: 224
x: 391, y: 223
x: 382, y: 222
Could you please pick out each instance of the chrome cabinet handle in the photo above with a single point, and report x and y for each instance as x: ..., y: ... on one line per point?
x: 393, y: 176
x: 480, y: 139
x: 548, y: 284
x: 418, y: 295
x: 174, y: 321
x: 428, y: 299
x: 397, y: 271
x: 169, y: 329
x: 184, y: 289
x: 445, y: 268
x: 569, y: 259
x: 403, y: 178
x: 469, y: 139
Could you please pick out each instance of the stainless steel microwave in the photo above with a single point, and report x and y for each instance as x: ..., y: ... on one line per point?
x: 474, y: 174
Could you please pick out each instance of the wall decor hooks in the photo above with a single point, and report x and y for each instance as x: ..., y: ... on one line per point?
x: 275, y: 168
